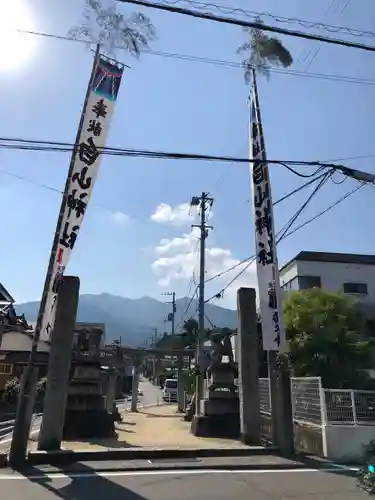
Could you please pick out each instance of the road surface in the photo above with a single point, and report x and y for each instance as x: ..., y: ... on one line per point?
x: 183, y: 485
x: 152, y: 394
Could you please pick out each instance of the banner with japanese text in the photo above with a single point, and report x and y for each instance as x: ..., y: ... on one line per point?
x: 269, y: 293
x: 97, y: 115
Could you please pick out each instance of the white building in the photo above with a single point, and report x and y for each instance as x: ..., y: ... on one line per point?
x: 351, y: 274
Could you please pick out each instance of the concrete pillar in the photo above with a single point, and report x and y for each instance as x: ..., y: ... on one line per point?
x: 111, y: 390
x: 284, y: 411
x: 51, y: 430
x: 248, y: 376
x: 135, y: 384
x: 180, y: 385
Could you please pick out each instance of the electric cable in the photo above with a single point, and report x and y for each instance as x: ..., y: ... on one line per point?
x: 232, y: 64
x: 247, y: 24
x: 251, y: 259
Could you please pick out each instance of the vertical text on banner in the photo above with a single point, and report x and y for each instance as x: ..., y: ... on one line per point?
x: 97, y: 117
x: 265, y: 242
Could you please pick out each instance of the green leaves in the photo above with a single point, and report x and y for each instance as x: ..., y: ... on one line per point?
x: 325, y: 333
x: 113, y: 30
x: 263, y: 52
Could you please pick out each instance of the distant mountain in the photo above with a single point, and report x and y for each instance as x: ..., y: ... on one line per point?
x: 134, y: 319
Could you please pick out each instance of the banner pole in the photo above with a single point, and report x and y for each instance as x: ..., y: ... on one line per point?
x: 21, y: 430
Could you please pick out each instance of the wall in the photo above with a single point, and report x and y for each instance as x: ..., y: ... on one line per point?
x: 345, y: 443
x: 307, y: 438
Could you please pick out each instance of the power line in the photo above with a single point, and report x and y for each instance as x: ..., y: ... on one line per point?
x: 303, y: 186
x: 32, y: 145
x: 280, y: 19
x: 251, y: 259
x: 248, y: 24
x: 219, y: 62
x: 344, y: 197
x: 304, y: 205
x: 58, y: 191
x: 317, y: 49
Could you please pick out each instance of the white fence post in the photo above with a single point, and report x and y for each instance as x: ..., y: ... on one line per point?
x: 354, y: 410
x: 323, y: 405
x: 269, y: 394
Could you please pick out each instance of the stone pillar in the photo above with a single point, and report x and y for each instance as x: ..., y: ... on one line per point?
x: 111, y: 390
x: 248, y: 375
x: 135, y: 384
x: 180, y: 384
x: 282, y: 413
x: 51, y: 430
x: 273, y: 388
x: 32, y: 395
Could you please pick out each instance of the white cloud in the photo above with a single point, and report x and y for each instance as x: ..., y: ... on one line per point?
x: 120, y: 218
x: 179, y: 215
x: 177, y: 259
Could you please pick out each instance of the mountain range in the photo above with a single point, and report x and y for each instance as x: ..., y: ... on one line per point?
x: 134, y: 320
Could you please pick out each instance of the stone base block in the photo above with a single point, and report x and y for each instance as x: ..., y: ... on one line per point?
x: 220, y: 407
x: 220, y: 426
x: 222, y: 394
x: 88, y: 424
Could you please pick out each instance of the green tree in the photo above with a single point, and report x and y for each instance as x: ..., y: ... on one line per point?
x: 190, y: 332
x: 103, y: 23
x: 325, y: 333
x: 11, y: 390
x: 262, y: 52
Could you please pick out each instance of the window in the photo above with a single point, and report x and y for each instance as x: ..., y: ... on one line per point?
x: 291, y: 285
x: 5, y: 369
x: 359, y: 288
x: 306, y: 282
x: 171, y: 384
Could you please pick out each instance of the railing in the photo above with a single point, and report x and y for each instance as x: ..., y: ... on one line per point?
x: 350, y: 407
x: 306, y: 398
x: 314, y: 405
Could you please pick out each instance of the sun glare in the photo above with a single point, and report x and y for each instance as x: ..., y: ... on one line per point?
x: 16, y: 48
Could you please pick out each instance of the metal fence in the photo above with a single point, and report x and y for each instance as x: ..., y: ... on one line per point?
x: 315, y: 405
x: 306, y: 398
x: 349, y: 406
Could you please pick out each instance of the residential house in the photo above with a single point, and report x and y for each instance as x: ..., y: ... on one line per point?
x: 352, y: 274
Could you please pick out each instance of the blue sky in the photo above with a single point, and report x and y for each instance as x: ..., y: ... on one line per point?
x: 185, y: 106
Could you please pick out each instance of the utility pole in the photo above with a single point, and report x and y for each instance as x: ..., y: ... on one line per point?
x: 171, y: 316
x: 203, y: 201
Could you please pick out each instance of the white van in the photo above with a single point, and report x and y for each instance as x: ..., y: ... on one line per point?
x: 170, y: 390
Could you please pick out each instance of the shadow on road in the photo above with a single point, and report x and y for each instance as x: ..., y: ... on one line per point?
x: 84, y: 488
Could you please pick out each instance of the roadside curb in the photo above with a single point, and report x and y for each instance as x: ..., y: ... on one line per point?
x: 182, y: 467
x: 66, y: 457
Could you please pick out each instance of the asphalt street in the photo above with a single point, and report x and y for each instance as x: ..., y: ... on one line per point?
x: 183, y: 485
x: 151, y: 394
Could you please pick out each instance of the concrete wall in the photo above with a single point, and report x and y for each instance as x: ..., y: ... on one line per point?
x: 339, y: 443
x: 345, y: 443
x: 307, y: 438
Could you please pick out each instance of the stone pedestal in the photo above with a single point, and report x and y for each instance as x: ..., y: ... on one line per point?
x: 220, y: 407
x: 86, y: 413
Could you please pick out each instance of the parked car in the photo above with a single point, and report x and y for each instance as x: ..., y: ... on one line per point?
x: 170, y: 390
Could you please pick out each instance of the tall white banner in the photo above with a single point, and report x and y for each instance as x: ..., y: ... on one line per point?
x: 265, y: 238
x: 97, y: 115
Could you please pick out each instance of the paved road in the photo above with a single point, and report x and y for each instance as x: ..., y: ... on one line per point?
x: 152, y: 394
x: 184, y: 485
